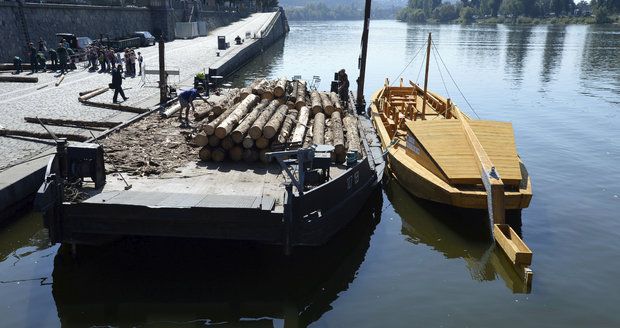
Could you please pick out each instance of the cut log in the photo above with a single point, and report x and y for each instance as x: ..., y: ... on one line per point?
x: 301, y: 95
x: 273, y: 125
x: 260, y: 87
x: 77, y: 123
x: 287, y: 127
x: 326, y: 102
x: 293, y: 96
x: 308, y: 138
x: 318, y: 129
x: 218, y: 155
x: 337, y: 133
x: 202, y: 112
x: 250, y: 155
x: 235, y: 116
x: 353, y: 137
x: 262, y: 143
x: 205, y: 154
x: 38, y: 135
x: 172, y: 110
x: 263, y: 157
x: 315, y: 99
x: 280, y: 87
x: 201, y: 139
x: 247, y: 142
x: 89, y: 91
x: 290, y: 104
x: 240, y: 132
x: 227, y: 143
x: 117, y: 107
x: 219, y: 103
x: 92, y: 94
x: 209, y: 128
x: 62, y: 78
x: 256, y: 131
x: 27, y: 79
x: 300, y: 128
x: 236, y: 153
x: 335, y: 101
x: 214, y: 141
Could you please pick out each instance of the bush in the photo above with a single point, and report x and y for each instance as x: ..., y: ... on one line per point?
x: 467, y: 15
x: 445, y: 13
x: 411, y: 15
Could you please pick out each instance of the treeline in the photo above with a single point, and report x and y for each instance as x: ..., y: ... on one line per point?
x: 466, y: 11
x: 321, y: 11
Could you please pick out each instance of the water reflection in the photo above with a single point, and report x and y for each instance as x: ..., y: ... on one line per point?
x: 456, y: 233
x: 23, y: 237
x: 600, y: 63
x: 552, y: 56
x: 164, y: 283
x: 517, y: 45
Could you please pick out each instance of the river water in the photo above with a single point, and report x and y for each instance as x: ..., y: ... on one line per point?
x: 406, y: 262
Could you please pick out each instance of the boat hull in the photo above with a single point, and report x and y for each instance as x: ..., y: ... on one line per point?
x: 422, y: 183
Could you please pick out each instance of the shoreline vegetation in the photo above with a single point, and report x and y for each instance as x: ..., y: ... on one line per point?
x: 484, y: 12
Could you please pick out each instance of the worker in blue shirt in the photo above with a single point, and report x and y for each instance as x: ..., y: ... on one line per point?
x: 186, y: 99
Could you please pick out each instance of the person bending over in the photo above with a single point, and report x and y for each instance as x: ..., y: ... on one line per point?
x: 186, y: 99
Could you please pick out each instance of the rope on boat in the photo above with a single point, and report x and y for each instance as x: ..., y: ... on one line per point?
x: 387, y: 149
x: 453, y: 81
x: 440, y: 74
x: 411, y: 61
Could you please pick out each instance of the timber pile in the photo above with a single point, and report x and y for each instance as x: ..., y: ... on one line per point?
x: 270, y: 115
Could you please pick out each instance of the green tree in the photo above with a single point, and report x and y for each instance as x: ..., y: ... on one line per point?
x: 445, y: 13
x: 512, y: 8
x: 467, y: 14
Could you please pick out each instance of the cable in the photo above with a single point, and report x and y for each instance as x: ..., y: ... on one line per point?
x: 440, y: 74
x: 411, y: 61
x: 417, y: 79
x: 457, y: 86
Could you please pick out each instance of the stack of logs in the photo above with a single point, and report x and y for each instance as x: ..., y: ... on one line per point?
x: 245, y: 124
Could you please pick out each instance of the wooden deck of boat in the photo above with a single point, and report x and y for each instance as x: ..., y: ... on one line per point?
x: 446, y: 143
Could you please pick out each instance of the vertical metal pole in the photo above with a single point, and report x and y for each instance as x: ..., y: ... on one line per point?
x: 288, y: 219
x: 428, y: 57
x: 360, y: 103
x: 63, y: 161
x: 162, y: 72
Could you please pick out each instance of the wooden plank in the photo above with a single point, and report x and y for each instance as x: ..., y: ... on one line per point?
x: 514, y: 247
x: 65, y: 122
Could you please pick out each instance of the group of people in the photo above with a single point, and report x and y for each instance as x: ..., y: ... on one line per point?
x: 59, y: 57
x: 105, y: 59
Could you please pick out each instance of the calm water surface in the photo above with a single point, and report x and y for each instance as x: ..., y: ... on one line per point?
x: 406, y: 262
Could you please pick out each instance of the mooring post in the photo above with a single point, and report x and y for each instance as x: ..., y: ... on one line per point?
x: 288, y: 219
x: 163, y: 83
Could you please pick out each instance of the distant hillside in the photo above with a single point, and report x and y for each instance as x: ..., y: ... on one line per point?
x: 340, y: 9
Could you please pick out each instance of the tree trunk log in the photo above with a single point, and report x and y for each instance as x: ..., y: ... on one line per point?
x: 318, y: 129
x: 280, y: 88
x: 256, y: 131
x: 209, y: 128
x: 236, y: 153
x: 250, y: 155
x: 227, y: 143
x: 201, y: 139
x: 293, y: 96
x: 337, y: 133
x: 301, y: 95
x: 262, y: 143
x: 202, y: 112
x: 300, y: 128
x: 218, y: 155
x: 233, y: 119
x: 214, y: 141
x: 28, y: 79
x: 335, y: 101
x: 172, y: 110
x: 77, y: 123
x: 94, y: 93
x: 240, y: 132
x: 271, y: 128
x: 38, y: 135
x: 247, y: 142
x: 287, y: 126
x: 328, y: 106
x: 353, y: 137
x: 308, y: 137
x: 315, y: 98
x: 205, y: 154
x: 220, y: 103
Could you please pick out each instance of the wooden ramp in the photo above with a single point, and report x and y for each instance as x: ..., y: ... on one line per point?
x: 446, y: 143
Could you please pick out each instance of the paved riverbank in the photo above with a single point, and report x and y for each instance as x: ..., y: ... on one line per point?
x: 44, y: 99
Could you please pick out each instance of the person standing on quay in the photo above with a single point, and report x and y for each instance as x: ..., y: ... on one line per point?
x: 140, y: 62
x: 343, y: 86
x: 32, y: 52
x: 63, y: 56
x: 117, y: 83
x: 54, y: 58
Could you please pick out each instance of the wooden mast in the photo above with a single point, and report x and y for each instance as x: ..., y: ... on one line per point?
x: 428, y: 57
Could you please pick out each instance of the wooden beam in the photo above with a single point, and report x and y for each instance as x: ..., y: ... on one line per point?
x: 39, y: 135
x: 65, y: 122
x: 493, y: 184
x: 27, y: 79
x: 118, y: 107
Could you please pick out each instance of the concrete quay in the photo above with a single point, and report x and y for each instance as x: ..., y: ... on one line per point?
x: 23, y: 160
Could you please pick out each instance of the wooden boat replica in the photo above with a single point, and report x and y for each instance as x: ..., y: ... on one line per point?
x: 438, y: 153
